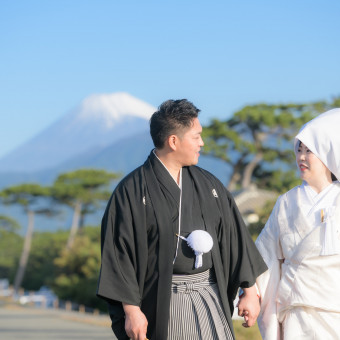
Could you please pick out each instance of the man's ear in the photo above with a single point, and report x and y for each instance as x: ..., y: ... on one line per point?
x: 173, y: 142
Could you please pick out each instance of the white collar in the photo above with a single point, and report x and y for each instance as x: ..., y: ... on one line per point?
x: 180, y: 174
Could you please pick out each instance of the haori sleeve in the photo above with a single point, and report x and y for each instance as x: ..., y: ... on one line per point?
x: 124, y: 249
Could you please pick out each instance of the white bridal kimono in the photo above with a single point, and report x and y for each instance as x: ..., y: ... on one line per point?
x: 300, y: 292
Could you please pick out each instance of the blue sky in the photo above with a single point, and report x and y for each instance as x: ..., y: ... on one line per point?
x: 221, y: 55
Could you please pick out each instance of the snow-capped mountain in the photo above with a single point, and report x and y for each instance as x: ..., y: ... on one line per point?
x: 98, y: 121
x: 107, y: 131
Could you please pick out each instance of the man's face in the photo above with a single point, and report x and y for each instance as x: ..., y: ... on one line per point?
x: 189, y: 144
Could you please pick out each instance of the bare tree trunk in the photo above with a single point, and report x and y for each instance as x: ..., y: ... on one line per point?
x: 75, y: 224
x: 236, y: 175
x: 25, y: 252
x: 249, y: 169
x: 233, y: 181
x: 82, y: 216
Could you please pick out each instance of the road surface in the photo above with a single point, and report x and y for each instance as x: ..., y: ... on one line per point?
x: 21, y: 323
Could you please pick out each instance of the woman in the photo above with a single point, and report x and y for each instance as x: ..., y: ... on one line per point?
x: 300, y: 243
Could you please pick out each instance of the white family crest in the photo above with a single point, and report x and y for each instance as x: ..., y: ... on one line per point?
x: 214, y: 192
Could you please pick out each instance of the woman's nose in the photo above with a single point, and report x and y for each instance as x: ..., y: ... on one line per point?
x: 302, y: 156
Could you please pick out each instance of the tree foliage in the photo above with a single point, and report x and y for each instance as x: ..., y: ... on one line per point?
x: 257, y: 140
x: 41, y: 270
x: 78, y: 269
x: 9, y: 224
x: 29, y: 196
x: 82, y: 190
x: 10, y: 247
x: 26, y: 195
x: 87, y: 185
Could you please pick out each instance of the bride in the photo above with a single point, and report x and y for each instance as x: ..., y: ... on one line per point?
x: 300, y: 243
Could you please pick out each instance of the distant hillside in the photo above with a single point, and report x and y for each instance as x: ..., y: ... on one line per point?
x: 122, y: 156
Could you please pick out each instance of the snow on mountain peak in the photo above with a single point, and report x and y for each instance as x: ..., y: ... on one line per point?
x: 113, y: 107
x: 98, y: 121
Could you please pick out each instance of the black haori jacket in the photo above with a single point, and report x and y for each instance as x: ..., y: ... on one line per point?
x: 137, y: 242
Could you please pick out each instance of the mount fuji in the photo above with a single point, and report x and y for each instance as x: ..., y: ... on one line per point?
x: 106, y: 131
x: 97, y: 122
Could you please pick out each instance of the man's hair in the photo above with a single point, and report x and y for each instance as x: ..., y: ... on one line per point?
x: 172, y: 117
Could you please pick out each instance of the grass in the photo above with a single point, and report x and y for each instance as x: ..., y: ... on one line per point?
x: 242, y: 333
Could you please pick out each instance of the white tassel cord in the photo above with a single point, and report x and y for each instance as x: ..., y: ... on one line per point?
x: 200, y: 242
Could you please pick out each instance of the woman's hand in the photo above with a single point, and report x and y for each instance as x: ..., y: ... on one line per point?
x: 249, y: 306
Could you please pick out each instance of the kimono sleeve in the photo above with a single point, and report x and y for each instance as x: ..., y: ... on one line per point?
x: 270, y: 249
x: 124, y: 248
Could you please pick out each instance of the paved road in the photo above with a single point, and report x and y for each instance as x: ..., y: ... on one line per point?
x: 29, y: 323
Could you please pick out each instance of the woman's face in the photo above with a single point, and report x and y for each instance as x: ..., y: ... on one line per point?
x: 311, y: 168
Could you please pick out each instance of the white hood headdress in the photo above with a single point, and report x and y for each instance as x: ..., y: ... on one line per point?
x: 322, y: 136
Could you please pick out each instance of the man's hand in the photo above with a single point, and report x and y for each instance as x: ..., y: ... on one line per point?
x: 249, y: 306
x: 135, y: 322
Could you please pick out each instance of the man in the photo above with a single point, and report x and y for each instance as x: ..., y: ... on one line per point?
x: 157, y: 286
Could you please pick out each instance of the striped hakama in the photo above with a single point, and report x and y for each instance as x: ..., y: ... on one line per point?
x: 196, y: 311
